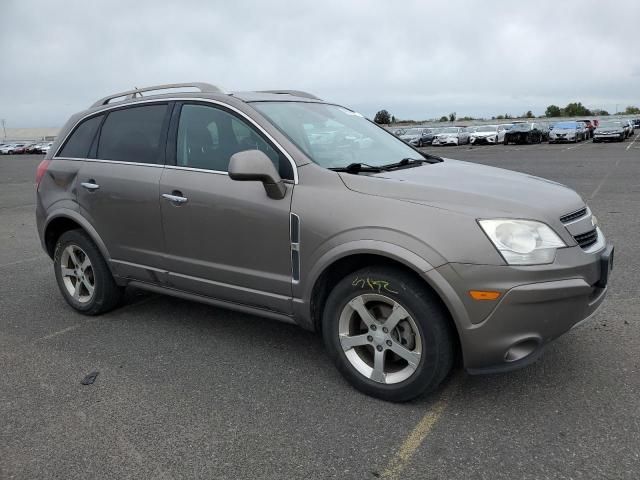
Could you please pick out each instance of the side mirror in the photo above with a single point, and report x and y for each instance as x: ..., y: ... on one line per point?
x: 255, y: 166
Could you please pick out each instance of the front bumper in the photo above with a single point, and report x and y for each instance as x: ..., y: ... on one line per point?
x: 611, y: 137
x: 483, y: 140
x: 537, y: 305
x: 445, y: 141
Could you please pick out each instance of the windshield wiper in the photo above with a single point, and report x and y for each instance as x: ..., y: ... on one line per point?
x: 405, y: 163
x: 357, y: 168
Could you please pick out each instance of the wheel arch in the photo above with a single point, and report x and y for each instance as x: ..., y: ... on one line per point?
x: 343, y: 265
x: 63, y: 221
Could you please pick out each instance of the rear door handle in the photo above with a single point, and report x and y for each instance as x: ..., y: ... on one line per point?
x: 175, y: 197
x: 90, y: 185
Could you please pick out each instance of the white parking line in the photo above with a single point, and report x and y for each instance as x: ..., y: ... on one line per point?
x: 634, y: 141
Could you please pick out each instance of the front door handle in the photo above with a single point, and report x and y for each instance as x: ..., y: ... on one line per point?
x: 90, y: 185
x: 175, y: 197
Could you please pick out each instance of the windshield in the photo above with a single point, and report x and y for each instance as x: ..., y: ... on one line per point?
x: 450, y: 130
x: 487, y: 128
x: 565, y: 125
x: 415, y: 131
x: 521, y: 127
x: 610, y: 124
x: 333, y: 136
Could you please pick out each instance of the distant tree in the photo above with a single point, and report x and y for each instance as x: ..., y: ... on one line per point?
x: 393, y: 119
x: 529, y: 114
x: 553, y: 111
x: 444, y: 118
x: 631, y: 110
x: 507, y: 116
x: 382, y: 117
x: 599, y: 113
x: 452, y: 117
x: 500, y: 117
x: 576, y: 109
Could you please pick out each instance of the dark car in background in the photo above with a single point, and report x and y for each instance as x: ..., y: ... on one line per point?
x: 610, y: 131
x: 521, y: 133
x: 636, y: 122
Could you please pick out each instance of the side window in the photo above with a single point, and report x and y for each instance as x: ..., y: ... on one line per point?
x: 79, y: 143
x: 133, y: 135
x: 209, y: 136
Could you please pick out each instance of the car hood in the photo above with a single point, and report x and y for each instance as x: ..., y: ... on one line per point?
x: 409, y: 137
x: 609, y: 130
x: 484, y: 134
x: 473, y: 189
x: 444, y: 135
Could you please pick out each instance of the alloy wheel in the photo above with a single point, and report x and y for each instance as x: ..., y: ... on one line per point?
x: 379, y: 338
x: 77, y: 274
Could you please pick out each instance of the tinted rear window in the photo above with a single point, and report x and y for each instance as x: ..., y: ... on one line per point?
x: 133, y: 135
x: 80, y: 140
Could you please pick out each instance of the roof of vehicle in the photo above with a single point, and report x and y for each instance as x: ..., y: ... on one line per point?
x: 204, y: 90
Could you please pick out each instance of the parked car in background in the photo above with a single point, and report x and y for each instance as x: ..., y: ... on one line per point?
x: 636, y: 122
x: 524, y: 132
x: 452, y: 136
x: 610, y: 131
x: 12, y: 149
x: 567, y: 132
x: 632, y: 127
x: 484, y: 135
x: 46, y: 147
x: 417, y: 136
x: 32, y: 148
x: 590, y: 127
x: 398, y: 131
x: 627, y: 128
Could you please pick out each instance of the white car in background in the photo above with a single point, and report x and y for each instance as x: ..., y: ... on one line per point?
x: 46, y: 147
x: 485, y: 134
x: 452, y: 136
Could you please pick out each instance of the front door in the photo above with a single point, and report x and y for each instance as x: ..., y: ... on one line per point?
x: 224, y: 239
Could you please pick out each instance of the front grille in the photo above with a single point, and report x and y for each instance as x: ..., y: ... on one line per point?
x: 585, y: 240
x: 569, y: 217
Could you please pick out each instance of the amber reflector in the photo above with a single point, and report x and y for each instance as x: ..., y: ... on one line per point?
x: 484, y: 295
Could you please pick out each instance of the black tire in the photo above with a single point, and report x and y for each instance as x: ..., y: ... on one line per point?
x: 431, y: 319
x: 107, y: 294
x: 420, y: 144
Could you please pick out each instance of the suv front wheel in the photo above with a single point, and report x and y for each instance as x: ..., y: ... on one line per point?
x: 83, y: 275
x: 387, y: 334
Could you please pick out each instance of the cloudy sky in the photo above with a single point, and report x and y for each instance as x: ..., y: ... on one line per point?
x: 417, y: 59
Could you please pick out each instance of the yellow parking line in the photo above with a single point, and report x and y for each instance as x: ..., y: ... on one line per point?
x: 406, y: 451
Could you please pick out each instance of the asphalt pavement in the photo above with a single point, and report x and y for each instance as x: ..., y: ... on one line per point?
x: 186, y: 390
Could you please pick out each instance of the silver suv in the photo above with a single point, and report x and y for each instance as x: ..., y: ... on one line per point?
x: 279, y: 204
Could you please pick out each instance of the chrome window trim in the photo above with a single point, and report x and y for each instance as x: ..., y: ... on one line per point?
x: 178, y: 99
x: 193, y: 169
x: 118, y: 162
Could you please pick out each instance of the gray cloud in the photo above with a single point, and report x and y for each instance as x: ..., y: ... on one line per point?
x: 417, y: 59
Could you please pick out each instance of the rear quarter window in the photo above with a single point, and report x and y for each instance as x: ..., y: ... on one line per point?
x: 79, y: 142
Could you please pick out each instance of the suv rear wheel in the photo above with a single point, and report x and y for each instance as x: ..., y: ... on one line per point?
x: 387, y: 334
x: 83, y: 275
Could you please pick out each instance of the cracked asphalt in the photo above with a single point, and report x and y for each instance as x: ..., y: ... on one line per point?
x: 186, y: 390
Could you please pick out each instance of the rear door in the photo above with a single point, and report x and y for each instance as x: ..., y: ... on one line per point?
x: 119, y: 188
x: 224, y: 239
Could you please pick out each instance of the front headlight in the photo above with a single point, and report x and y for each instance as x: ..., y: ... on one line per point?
x: 523, y: 242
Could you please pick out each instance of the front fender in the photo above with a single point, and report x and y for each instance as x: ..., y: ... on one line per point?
x: 303, y: 291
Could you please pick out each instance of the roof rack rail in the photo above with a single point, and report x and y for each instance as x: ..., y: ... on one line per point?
x: 129, y: 94
x: 297, y: 93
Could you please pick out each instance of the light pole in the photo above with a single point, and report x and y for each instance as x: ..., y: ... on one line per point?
x: 4, y: 129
